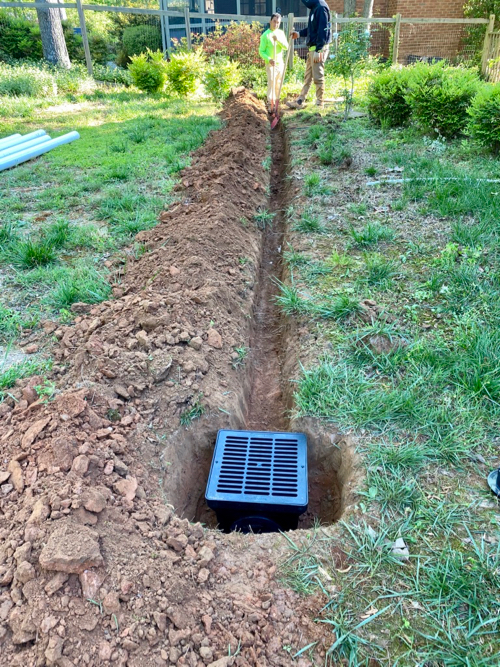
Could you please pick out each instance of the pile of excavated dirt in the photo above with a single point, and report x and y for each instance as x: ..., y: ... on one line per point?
x: 97, y: 565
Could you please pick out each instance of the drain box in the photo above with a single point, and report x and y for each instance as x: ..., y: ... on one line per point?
x: 258, y: 480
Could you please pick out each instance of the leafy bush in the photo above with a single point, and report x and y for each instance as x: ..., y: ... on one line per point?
x: 19, y: 38
x: 148, y: 71
x: 386, y: 98
x: 439, y: 96
x: 116, y: 75
x: 220, y: 76
x: 484, y: 112
x: 72, y: 81
x: 238, y: 41
x: 25, y: 80
x: 184, y: 70
x: 138, y: 39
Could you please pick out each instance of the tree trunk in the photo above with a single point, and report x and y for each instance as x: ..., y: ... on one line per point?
x: 368, y: 9
x: 349, y: 7
x: 51, y: 32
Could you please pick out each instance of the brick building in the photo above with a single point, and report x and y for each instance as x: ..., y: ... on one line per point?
x: 417, y: 41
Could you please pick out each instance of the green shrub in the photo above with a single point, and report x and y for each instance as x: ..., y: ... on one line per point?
x: 116, y: 75
x: 20, y: 38
x: 220, y: 76
x: 138, y: 39
x: 148, y: 71
x: 386, y: 98
x: 72, y: 81
x: 184, y: 71
x: 25, y: 80
x: 439, y: 96
x: 484, y: 112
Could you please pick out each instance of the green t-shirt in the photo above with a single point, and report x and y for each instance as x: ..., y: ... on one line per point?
x: 266, y: 48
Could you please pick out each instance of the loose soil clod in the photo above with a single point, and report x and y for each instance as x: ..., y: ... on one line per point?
x: 95, y: 567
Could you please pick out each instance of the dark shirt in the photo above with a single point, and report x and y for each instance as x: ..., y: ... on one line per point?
x: 318, y: 31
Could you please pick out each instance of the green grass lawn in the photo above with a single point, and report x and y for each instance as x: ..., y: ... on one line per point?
x: 424, y: 409
x: 65, y: 213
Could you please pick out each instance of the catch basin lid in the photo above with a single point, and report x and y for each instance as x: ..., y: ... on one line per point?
x: 264, y: 470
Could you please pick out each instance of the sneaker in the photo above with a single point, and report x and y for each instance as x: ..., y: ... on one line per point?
x: 295, y: 104
x: 319, y: 104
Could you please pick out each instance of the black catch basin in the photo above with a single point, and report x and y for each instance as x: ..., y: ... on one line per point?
x: 258, y: 480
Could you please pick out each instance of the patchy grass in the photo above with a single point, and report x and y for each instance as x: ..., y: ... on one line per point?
x: 413, y: 266
x: 65, y: 213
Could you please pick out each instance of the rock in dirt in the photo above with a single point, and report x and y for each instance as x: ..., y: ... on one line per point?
x: 94, y: 500
x: 222, y: 662
x: 71, y: 548
x: 16, y: 476
x: 214, y: 338
x: 56, y: 583
x: 33, y: 432
x: 126, y: 487
x: 90, y: 582
x: 4, y: 476
x: 22, y: 626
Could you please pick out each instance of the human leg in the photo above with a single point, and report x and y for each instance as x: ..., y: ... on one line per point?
x: 318, y: 75
x: 308, y: 77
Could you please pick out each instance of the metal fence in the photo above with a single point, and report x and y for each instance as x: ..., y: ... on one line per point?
x: 398, y: 39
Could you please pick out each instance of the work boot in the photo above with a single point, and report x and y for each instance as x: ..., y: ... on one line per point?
x: 319, y: 104
x: 296, y: 104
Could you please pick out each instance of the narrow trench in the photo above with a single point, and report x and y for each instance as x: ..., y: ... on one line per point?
x: 265, y: 399
x: 266, y: 405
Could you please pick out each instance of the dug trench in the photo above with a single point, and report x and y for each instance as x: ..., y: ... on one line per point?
x: 102, y: 560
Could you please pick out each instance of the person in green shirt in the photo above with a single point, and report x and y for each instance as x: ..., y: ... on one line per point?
x: 272, y: 44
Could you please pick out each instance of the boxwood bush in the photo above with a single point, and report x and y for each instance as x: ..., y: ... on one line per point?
x: 387, y: 103
x: 439, y: 96
x: 484, y: 122
x: 220, y: 76
x: 184, y: 71
x: 148, y: 71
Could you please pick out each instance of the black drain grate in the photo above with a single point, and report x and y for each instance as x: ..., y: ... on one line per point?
x: 258, y: 471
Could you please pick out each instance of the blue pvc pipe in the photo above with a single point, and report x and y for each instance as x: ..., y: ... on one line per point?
x: 9, y: 138
x: 24, y: 155
x: 24, y: 146
x: 15, y: 140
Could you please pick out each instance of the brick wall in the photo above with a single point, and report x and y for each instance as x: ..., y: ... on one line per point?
x: 417, y: 40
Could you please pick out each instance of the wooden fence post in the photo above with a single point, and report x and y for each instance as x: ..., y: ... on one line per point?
x: 188, y: 28
x: 486, y: 45
x: 85, y: 37
x: 292, y: 42
x: 395, y: 44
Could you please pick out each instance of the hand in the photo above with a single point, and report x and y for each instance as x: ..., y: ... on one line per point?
x: 294, y: 35
x: 271, y: 62
x: 316, y: 57
x: 275, y: 39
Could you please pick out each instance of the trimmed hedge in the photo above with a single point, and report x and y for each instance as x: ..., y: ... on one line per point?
x: 387, y: 103
x: 439, y: 96
x: 484, y: 113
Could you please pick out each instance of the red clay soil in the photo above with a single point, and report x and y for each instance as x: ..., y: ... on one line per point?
x: 96, y: 568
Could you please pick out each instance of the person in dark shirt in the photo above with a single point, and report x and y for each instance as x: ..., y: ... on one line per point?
x: 318, y: 33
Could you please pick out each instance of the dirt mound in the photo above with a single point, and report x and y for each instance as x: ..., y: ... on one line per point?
x: 95, y: 567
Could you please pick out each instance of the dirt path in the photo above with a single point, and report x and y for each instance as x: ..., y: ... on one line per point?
x: 266, y: 409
